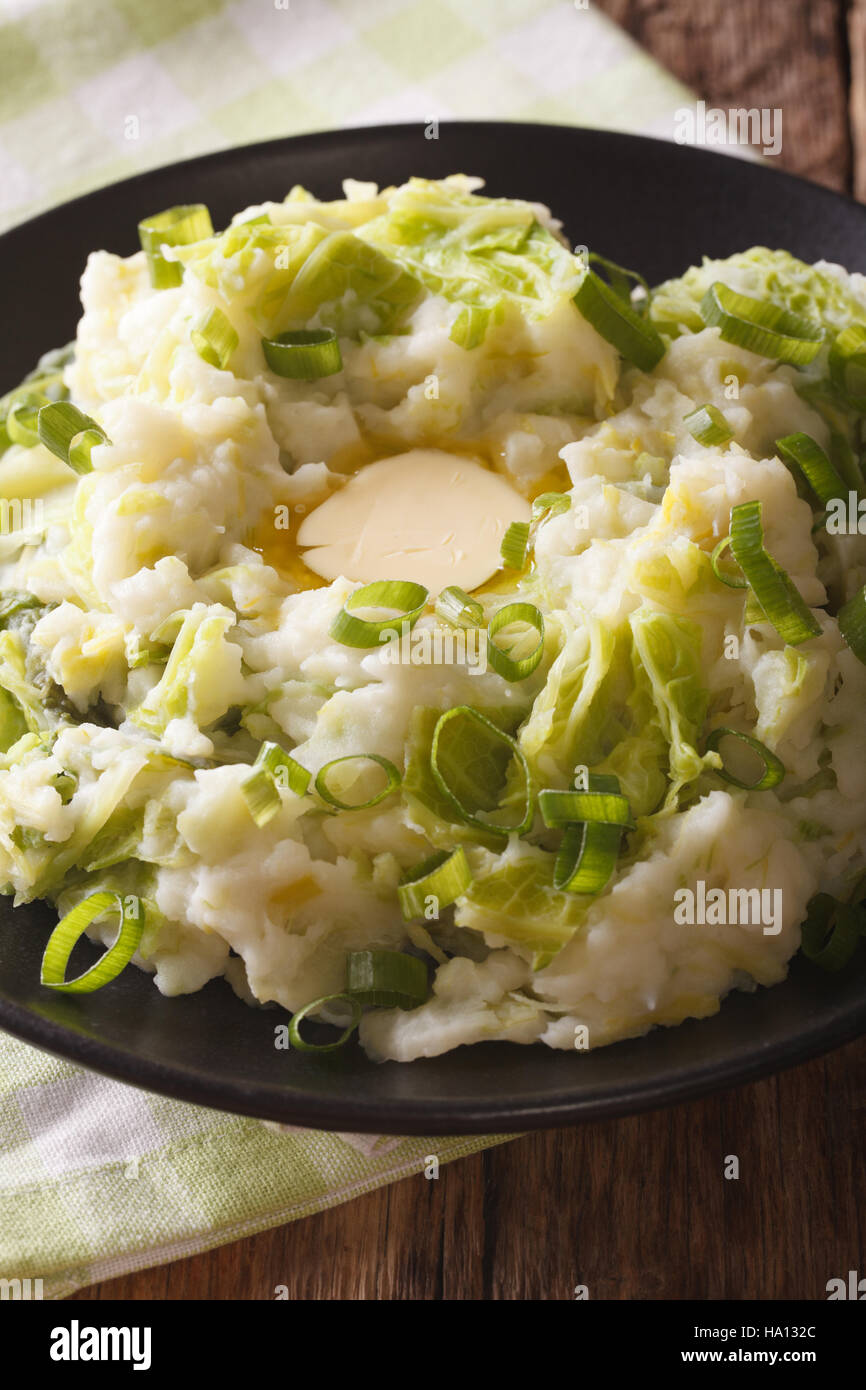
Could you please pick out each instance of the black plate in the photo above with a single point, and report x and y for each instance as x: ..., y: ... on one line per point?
x: 648, y: 204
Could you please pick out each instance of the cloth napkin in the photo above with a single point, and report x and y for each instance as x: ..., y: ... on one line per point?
x: 98, y: 1178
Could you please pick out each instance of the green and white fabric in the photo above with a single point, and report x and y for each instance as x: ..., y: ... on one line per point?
x: 91, y: 93
x: 97, y: 1178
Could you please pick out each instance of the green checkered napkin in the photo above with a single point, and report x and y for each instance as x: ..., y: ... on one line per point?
x: 97, y: 1178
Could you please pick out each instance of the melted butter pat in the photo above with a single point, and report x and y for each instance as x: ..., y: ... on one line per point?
x: 427, y: 515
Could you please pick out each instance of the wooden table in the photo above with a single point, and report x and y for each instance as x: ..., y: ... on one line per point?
x: 636, y: 1208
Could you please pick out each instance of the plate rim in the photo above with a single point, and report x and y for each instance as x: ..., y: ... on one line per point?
x: 312, y: 138
x: 264, y: 1102
x: 554, y: 1110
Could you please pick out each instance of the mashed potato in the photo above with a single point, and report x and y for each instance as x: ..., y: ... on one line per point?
x: 160, y: 625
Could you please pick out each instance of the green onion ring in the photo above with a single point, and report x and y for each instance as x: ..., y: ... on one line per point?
x: 386, y: 979
x: 806, y: 453
x: 847, y: 364
x: 619, y: 277
x: 177, y: 226
x: 852, y: 624
x: 550, y: 504
x: 831, y: 932
x: 561, y: 808
x: 774, y: 768
x: 391, y: 772
x: 618, y: 323
x: 515, y: 545
x: 298, y: 1042
x: 456, y: 607
x: 21, y: 424
x: 587, y: 857
x: 71, y: 927
x: 761, y: 327
x: 708, y: 425
x: 304, y: 354
x: 214, y: 338
x: 502, y: 663
x: 733, y: 581
x: 70, y: 434
x: 404, y: 595
x: 444, y: 876
x: 272, y: 769
x: 774, y: 590
x: 463, y: 812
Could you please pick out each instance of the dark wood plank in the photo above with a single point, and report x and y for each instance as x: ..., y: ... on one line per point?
x: 634, y: 1209
x: 857, y: 58
x: 790, y: 54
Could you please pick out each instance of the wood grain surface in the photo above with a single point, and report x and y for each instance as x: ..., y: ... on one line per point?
x: 633, y: 1209
x: 637, y: 1208
x: 788, y: 54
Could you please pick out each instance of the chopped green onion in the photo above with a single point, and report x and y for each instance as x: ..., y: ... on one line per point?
x: 393, y: 780
x: 445, y: 876
x: 761, y: 327
x: 620, y: 279
x: 272, y: 769
x: 831, y: 932
x: 845, y: 461
x: 550, y: 504
x: 304, y: 354
x: 458, y: 775
x: 847, y: 363
x: 774, y: 590
x: 806, y: 453
x: 214, y: 338
x: 456, y: 607
x: 774, y: 768
x: 379, y: 979
x: 149, y: 656
x: 70, y: 434
x: 403, y: 595
x: 178, y: 226
x: 753, y: 612
x: 618, y: 323
x: 708, y: 425
x: 21, y: 424
x: 559, y: 808
x: 515, y: 544
x: 386, y: 979
x: 587, y: 857
x: 504, y: 664
x: 733, y: 581
x: 298, y: 1042
x: 852, y: 624
x: 71, y: 927
x: 65, y: 784
x: 589, y: 849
